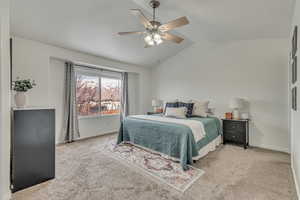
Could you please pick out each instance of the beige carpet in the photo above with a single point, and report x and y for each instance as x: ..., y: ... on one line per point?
x: 83, y: 172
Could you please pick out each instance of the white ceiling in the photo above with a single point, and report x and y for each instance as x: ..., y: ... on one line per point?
x: 91, y: 25
x: 228, y: 20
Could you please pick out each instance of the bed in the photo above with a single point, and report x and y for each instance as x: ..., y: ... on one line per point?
x: 182, y: 139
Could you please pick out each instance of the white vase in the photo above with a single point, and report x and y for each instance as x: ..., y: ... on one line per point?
x: 20, y: 99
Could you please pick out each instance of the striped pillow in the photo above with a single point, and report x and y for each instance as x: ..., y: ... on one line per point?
x: 179, y: 112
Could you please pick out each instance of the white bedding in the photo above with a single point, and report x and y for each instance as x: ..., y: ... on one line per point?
x: 196, y: 126
x: 203, y: 151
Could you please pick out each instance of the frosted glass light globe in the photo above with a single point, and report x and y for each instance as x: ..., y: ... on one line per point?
x: 148, y: 38
x: 151, y: 42
x: 158, y: 41
x: 156, y: 37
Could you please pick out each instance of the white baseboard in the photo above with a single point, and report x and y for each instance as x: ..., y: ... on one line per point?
x: 295, y: 178
x: 90, y: 137
x: 97, y: 135
x: 6, y: 196
x: 268, y: 147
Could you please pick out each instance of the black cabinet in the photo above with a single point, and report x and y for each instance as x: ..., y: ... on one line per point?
x: 236, y: 131
x: 33, y: 147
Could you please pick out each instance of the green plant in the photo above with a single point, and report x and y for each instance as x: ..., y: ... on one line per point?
x: 23, y: 85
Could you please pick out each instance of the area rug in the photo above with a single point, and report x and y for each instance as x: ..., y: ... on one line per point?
x: 154, y: 164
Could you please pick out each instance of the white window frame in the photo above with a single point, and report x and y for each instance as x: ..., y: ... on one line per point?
x: 96, y: 73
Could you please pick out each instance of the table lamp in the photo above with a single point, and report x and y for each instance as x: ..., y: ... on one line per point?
x: 236, y: 104
x: 156, y: 104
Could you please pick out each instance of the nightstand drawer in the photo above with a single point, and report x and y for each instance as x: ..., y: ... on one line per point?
x: 234, y: 136
x: 236, y: 126
x: 236, y: 131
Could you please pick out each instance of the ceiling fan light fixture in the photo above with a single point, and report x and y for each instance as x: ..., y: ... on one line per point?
x: 156, y: 37
x: 153, y: 38
x: 151, y: 43
x: 156, y: 33
x: 149, y: 40
x: 158, y: 41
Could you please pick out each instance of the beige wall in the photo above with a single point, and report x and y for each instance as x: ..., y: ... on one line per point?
x: 90, y: 126
x: 255, y: 70
x: 4, y: 101
x: 39, y: 61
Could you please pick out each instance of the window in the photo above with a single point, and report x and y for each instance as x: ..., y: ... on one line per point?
x: 110, y: 95
x: 97, y: 94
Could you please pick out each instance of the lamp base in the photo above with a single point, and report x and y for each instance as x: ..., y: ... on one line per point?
x: 236, y: 114
x: 154, y: 108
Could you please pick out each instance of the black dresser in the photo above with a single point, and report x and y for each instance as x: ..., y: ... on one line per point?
x: 32, y: 147
x: 236, y: 131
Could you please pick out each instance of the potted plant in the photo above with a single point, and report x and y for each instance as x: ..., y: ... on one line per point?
x: 21, y: 87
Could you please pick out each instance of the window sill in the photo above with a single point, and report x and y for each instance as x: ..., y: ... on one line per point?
x: 98, y: 116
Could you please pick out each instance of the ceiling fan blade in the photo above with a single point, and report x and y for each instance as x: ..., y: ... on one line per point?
x: 174, y: 24
x: 173, y: 38
x: 142, y: 17
x: 132, y: 32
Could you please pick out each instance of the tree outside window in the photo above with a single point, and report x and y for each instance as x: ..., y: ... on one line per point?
x: 97, y: 95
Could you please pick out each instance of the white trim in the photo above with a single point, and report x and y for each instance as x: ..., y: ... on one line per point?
x: 98, y: 135
x: 83, y: 64
x: 97, y: 73
x: 295, y: 178
x: 6, y: 196
x: 97, y: 116
x: 89, y: 137
x: 33, y: 108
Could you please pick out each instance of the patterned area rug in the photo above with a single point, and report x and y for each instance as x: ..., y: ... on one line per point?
x: 154, y: 164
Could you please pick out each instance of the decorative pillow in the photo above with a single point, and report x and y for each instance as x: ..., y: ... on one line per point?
x: 176, y: 112
x: 200, y: 108
x: 169, y: 101
x: 171, y: 105
x: 189, y: 107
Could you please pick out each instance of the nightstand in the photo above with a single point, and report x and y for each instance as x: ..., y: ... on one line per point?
x: 236, y: 131
x: 153, y: 113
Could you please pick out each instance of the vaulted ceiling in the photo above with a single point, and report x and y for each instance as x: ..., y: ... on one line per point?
x: 91, y: 26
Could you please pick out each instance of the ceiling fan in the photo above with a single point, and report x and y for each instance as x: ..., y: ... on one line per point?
x: 156, y: 32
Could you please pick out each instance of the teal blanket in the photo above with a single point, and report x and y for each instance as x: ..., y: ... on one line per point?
x: 175, y: 140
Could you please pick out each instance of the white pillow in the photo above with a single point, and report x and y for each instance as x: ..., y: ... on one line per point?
x: 179, y: 112
x: 200, y: 108
x: 170, y: 101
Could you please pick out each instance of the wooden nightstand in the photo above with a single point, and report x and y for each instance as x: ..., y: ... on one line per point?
x: 153, y: 113
x: 236, y: 131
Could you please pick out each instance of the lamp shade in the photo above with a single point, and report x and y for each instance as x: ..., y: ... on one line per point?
x: 156, y: 103
x: 236, y: 103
